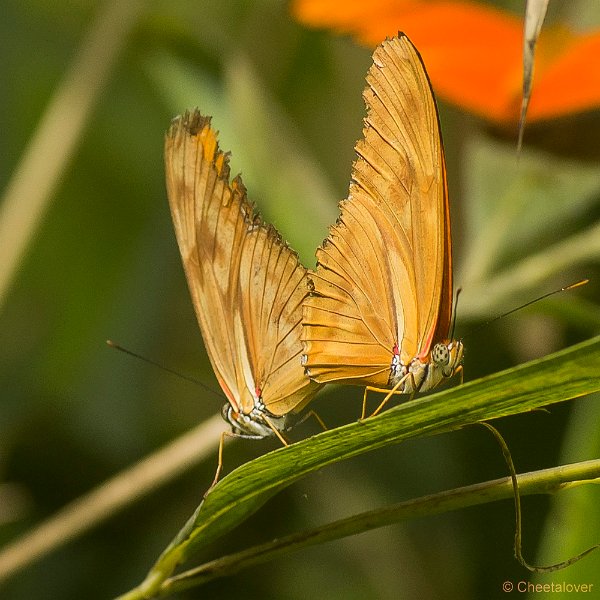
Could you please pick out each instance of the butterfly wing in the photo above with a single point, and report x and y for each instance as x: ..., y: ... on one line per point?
x: 272, y: 313
x: 384, y: 273
x: 246, y: 285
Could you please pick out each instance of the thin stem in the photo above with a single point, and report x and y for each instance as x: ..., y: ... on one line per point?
x: 546, y: 481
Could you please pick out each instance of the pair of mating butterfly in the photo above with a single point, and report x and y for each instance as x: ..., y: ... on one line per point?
x: 377, y: 309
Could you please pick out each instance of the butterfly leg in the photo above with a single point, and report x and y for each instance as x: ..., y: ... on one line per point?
x: 219, y: 463
x: 458, y: 371
x: 393, y: 391
x: 317, y: 418
x: 233, y: 435
x: 387, y: 392
x: 276, y: 431
x: 368, y: 388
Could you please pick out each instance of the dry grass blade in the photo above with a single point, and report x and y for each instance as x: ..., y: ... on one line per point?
x: 535, y: 12
x: 30, y: 189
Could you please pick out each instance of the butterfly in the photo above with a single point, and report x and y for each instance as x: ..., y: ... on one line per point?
x: 380, y: 309
x: 246, y: 284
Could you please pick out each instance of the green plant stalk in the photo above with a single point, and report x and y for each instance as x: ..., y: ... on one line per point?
x: 546, y: 481
x: 564, y: 375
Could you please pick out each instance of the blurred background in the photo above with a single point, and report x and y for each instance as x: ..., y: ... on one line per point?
x: 87, y: 90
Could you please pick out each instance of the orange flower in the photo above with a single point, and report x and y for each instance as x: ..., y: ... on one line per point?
x: 473, y: 53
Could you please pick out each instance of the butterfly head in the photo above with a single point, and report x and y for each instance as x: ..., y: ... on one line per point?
x: 426, y: 372
x: 447, y: 357
x: 445, y: 360
x: 257, y: 424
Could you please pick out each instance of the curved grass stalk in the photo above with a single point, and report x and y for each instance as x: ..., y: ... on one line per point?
x: 547, y: 481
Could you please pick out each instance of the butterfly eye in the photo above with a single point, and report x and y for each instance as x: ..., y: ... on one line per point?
x: 226, y: 412
x: 440, y: 355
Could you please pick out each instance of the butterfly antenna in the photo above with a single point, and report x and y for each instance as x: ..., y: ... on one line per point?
x: 458, y: 291
x: 510, y: 312
x: 163, y: 367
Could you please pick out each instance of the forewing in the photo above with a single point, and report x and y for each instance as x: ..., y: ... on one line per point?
x: 246, y: 285
x: 211, y: 219
x: 380, y: 273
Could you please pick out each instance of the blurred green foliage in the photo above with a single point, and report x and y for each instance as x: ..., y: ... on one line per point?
x: 104, y: 264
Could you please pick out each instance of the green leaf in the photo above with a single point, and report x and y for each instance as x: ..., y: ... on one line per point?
x: 562, y: 376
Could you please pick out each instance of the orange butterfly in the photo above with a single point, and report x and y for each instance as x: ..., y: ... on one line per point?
x: 381, y: 304
x: 247, y: 285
